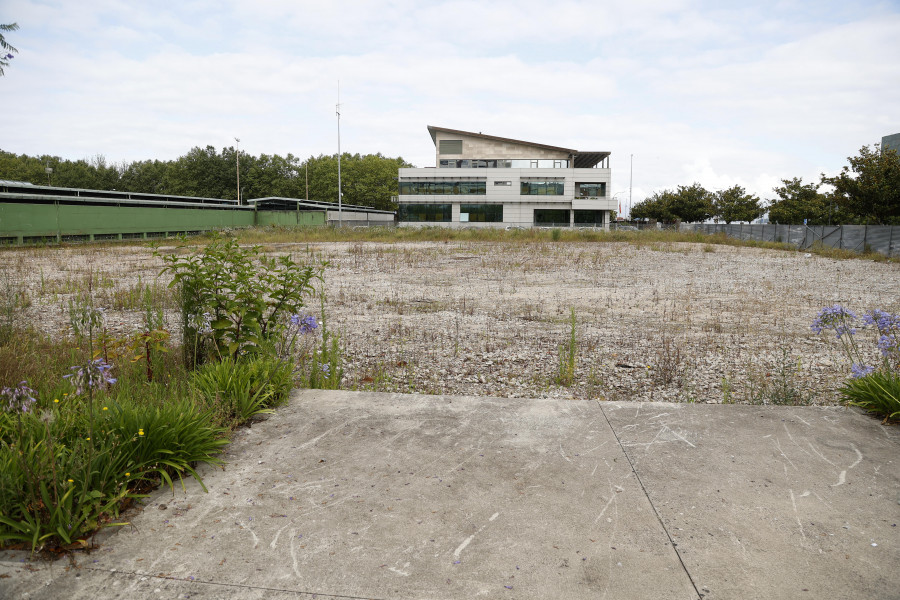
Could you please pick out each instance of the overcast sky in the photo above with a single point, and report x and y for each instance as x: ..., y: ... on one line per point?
x: 717, y: 92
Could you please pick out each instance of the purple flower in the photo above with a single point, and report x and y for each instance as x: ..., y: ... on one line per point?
x: 885, y: 322
x: 888, y: 344
x: 861, y: 370
x: 20, y: 398
x: 94, y: 374
x: 837, y: 318
x: 304, y: 323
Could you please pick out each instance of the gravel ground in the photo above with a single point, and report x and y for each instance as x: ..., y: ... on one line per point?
x: 660, y: 321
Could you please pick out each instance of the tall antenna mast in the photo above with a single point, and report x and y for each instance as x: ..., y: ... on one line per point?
x: 337, y: 110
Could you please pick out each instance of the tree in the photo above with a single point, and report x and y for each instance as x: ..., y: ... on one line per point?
x: 655, y: 207
x: 869, y: 189
x: 735, y: 204
x: 799, y: 203
x: 692, y: 204
x: 6, y: 50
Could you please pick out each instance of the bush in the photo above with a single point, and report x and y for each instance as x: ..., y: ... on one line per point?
x: 237, y: 390
x: 877, y: 393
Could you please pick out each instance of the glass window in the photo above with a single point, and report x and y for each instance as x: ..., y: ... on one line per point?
x: 483, y: 213
x: 547, y: 217
x: 503, y: 183
x: 437, y: 213
x: 419, y: 188
x: 542, y: 188
x: 590, y: 190
x: 589, y: 217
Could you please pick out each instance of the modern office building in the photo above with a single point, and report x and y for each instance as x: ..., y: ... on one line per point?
x: 483, y: 180
x: 891, y: 142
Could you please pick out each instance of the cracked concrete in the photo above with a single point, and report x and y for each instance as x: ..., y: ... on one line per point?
x: 364, y: 495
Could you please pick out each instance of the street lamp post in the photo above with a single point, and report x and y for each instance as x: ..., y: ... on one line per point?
x: 237, y: 157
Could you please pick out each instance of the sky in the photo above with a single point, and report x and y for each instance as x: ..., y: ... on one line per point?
x: 679, y: 91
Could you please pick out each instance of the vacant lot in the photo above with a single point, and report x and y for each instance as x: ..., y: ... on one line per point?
x: 657, y: 321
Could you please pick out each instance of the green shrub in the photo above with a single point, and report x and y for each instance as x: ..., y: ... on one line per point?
x: 877, y: 393
x: 237, y: 390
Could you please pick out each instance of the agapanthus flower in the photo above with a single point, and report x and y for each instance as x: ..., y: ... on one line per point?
x: 860, y: 370
x: 19, y: 398
x: 304, y: 323
x: 884, y: 321
x: 837, y: 318
x: 202, y: 323
x: 889, y: 344
x: 91, y: 375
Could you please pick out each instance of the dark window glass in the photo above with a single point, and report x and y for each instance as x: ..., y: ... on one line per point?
x: 437, y: 213
x: 418, y: 188
x: 589, y: 217
x: 483, y: 213
x: 551, y: 217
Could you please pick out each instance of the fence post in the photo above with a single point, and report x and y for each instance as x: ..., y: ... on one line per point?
x: 865, y: 237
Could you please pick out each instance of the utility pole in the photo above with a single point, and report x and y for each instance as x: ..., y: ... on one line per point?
x: 630, y: 181
x: 337, y: 110
x: 237, y: 156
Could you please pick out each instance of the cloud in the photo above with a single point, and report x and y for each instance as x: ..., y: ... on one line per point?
x: 722, y: 94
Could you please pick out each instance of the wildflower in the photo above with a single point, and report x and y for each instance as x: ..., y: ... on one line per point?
x: 20, y: 398
x: 104, y: 408
x: 94, y: 374
x: 141, y: 431
x: 885, y: 322
x: 47, y: 417
x: 326, y: 369
x: 127, y: 474
x: 835, y: 317
x: 304, y: 324
x: 56, y: 400
x: 202, y: 323
x: 861, y: 370
x: 71, y: 481
x: 889, y: 344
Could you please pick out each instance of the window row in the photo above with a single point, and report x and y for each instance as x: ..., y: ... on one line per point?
x: 542, y: 188
x: 417, y: 188
x: 436, y: 213
x: 504, y: 163
x: 481, y: 213
x: 590, y: 190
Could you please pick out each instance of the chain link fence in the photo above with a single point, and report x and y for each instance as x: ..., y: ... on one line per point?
x: 884, y: 239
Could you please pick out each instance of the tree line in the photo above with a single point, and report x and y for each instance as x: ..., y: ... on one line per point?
x: 369, y: 179
x: 865, y: 192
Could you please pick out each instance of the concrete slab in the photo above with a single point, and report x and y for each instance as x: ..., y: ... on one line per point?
x: 772, y: 502
x: 361, y: 495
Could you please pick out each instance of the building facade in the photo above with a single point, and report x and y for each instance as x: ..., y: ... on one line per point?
x: 483, y: 180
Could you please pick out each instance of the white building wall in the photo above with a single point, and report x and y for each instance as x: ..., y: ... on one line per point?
x: 518, y: 210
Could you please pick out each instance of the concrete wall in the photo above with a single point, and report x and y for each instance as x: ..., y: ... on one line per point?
x: 474, y: 147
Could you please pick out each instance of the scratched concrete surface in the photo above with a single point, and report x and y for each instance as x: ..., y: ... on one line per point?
x: 362, y: 495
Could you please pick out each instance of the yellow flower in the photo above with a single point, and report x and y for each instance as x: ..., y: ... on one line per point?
x: 65, y: 393
x: 71, y: 481
x: 56, y: 400
x: 127, y: 474
x: 104, y: 408
x: 140, y: 432
x: 88, y: 439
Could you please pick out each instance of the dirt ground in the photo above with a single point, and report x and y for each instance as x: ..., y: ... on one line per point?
x: 660, y: 321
